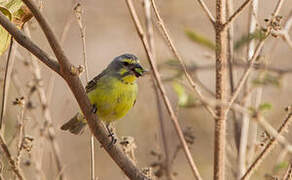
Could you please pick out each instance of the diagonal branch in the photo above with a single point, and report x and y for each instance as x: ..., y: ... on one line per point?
x: 236, y: 14
x: 255, y: 55
x: 162, y: 89
x: 207, y: 11
x: 76, y: 87
x: 12, y: 163
x: 24, y: 41
x: 269, y: 147
x: 193, y: 85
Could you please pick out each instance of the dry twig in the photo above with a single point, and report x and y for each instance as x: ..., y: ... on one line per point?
x: 78, y: 13
x: 170, y: 43
x: 162, y: 125
x: 162, y: 89
x: 270, y: 146
x: 207, y: 11
x: 12, y: 163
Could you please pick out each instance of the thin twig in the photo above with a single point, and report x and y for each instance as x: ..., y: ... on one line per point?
x: 63, y: 36
x: 162, y: 89
x: 178, y: 57
x: 21, y: 93
x: 236, y: 14
x: 253, y: 59
x: 273, y: 132
x: 269, y: 147
x: 21, y: 134
x: 6, y: 80
x: 246, y: 117
x: 48, y: 123
x: 162, y: 126
x: 285, y: 32
x: 259, y: 66
x: 12, y: 163
x: 23, y: 40
x: 207, y: 11
x: 78, y: 14
x: 230, y: 56
x: 288, y: 174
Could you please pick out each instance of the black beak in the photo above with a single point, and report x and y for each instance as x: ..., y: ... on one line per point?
x: 138, y: 70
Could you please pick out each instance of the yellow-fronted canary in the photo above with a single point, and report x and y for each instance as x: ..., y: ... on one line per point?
x: 112, y: 93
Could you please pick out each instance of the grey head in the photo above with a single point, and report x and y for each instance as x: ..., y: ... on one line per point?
x: 129, y: 62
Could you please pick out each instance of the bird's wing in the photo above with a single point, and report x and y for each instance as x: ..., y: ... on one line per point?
x: 91, y: 85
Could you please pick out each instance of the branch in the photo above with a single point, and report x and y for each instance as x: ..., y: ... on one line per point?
x: 207, y: 11
x: 48, y: 123
x: 178, y: 57
x: 24, y: 41
x: 78, y: 11
x: 269, y: 146
x: 162, y: 89
x: 255, y: 55
x: 76, y: 87
x: 12, y: 163
x: 6, y: 80
x: 288, y: 174
x: 149, y: 34
x: 221, y: 91
x: 236, y: 14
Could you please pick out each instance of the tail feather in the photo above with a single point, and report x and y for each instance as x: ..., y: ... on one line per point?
x: 75, y: 125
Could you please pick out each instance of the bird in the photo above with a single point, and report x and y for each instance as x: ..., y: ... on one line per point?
x: 112, y: 93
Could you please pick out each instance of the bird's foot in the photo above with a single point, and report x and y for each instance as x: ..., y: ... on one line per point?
x: 113, y: 139
x: 111, y: 135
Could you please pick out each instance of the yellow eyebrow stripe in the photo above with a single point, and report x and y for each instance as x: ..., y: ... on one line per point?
x: 130, y: 61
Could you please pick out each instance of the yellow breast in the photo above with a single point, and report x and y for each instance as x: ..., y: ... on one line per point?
x: 114, y: 97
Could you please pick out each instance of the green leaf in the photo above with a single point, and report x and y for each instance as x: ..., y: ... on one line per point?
x: 280, y: 166
x: 184, y: 99
x: 200, y: 39
x: 266, y: 79
x: 4, y: 35
x: 181, y: 94
x: 245, y: 39
x: 265, y: 107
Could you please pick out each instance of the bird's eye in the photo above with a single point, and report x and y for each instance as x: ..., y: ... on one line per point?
x: 125, y: 63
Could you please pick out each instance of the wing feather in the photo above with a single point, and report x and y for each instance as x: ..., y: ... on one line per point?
x: 91, y: 85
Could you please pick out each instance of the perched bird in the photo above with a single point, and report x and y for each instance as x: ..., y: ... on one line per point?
x: 112, y: 93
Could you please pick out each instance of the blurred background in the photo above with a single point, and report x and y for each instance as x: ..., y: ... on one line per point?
x: 110, y: 32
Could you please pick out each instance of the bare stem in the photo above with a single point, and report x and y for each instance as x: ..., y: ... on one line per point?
x: 20, y: 133
x: 169, y: 41
x: 253, y: 59
x: 246, y: 118
x: 269, y: 147
x: 236, y: 13
x: 207, y: 11
x: 162, y: 126
x: 162, y: 89
x: 221, y: 93
x: 288, y: 174
x: 12, y: 163
x: 48, y: 123
x: 78, y: 13
x: 8, y: 69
